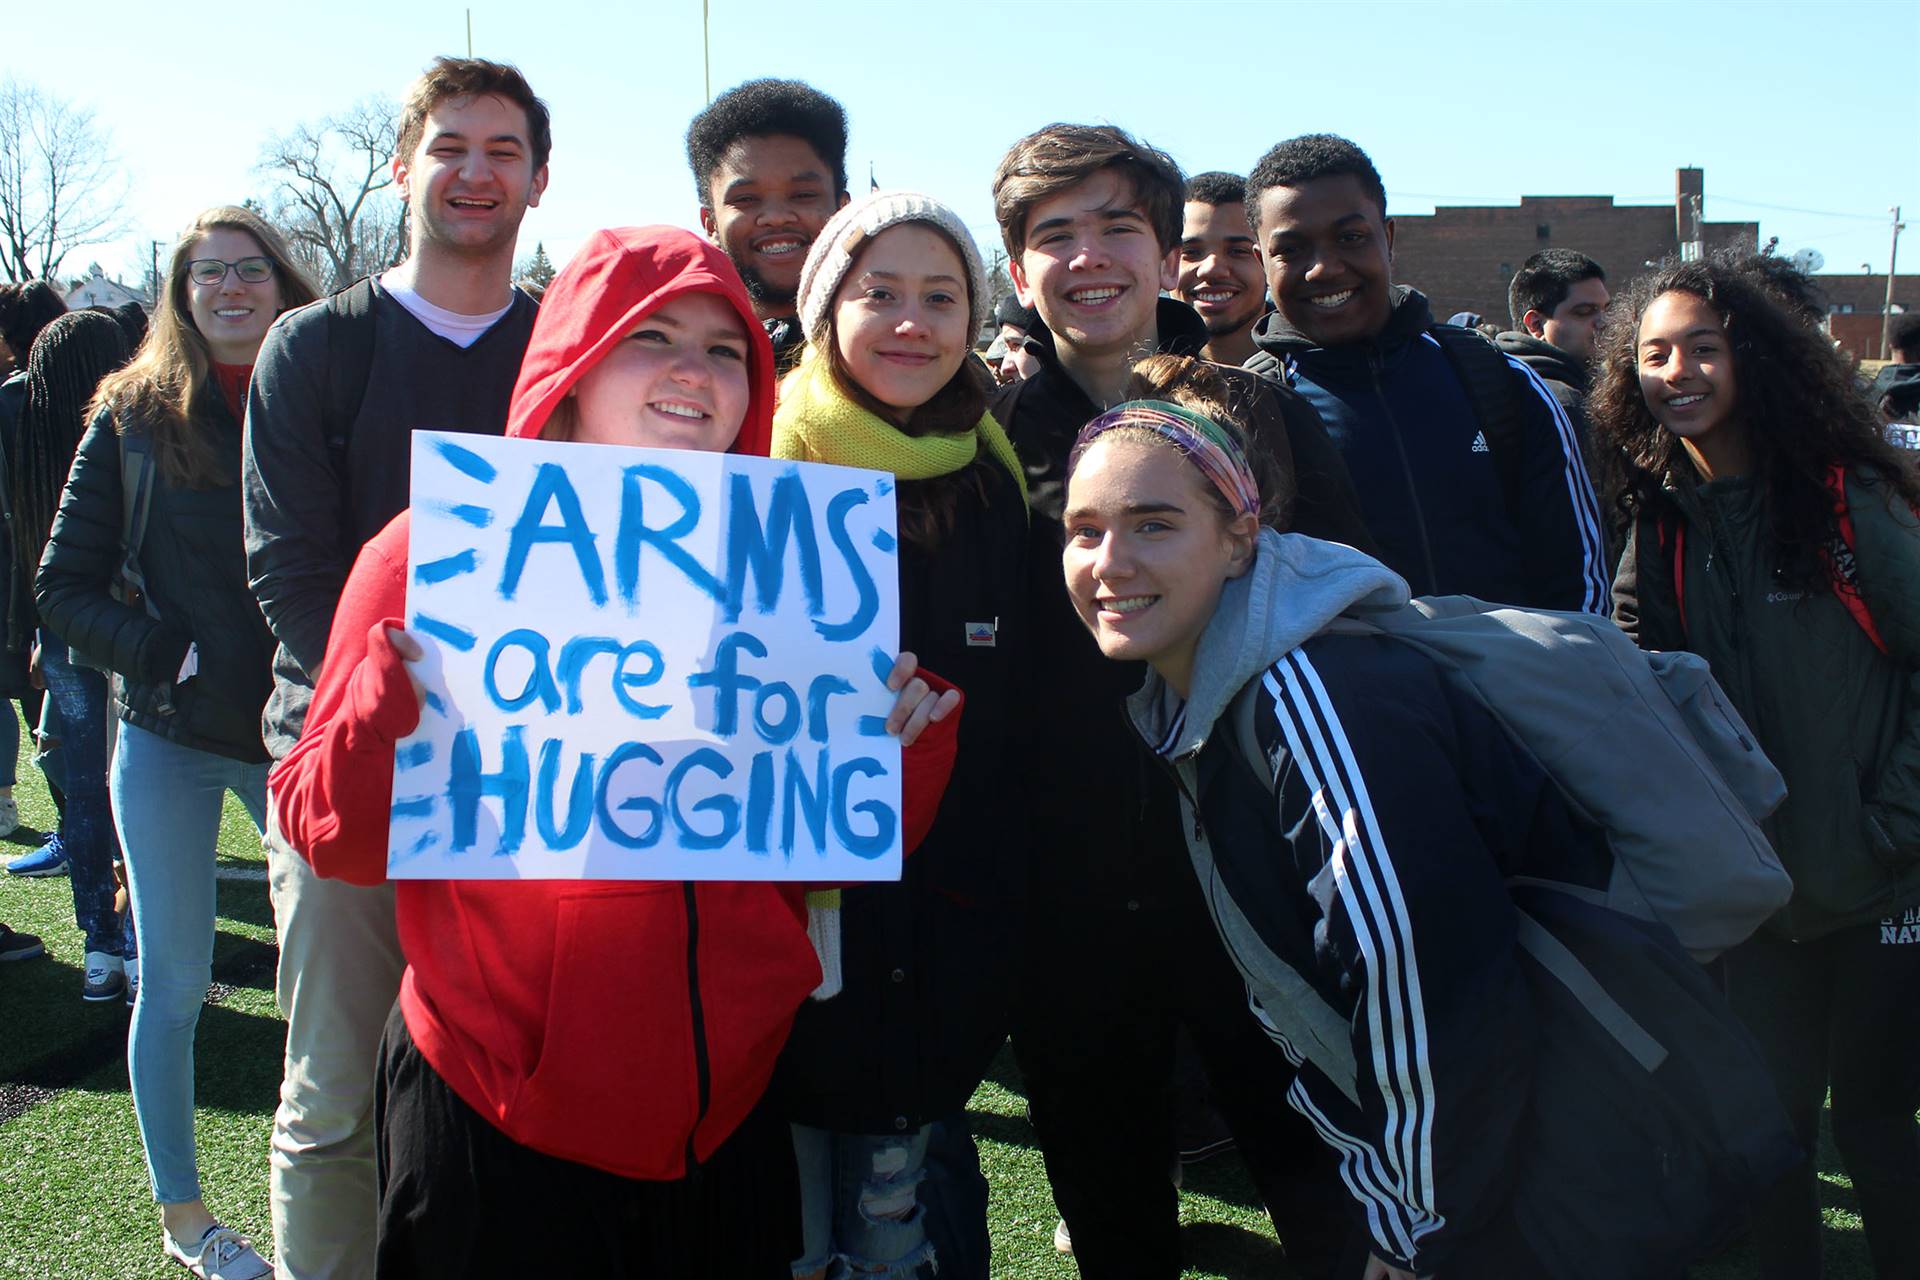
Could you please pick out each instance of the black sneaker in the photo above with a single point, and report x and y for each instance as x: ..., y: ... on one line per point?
x: 15, y: 945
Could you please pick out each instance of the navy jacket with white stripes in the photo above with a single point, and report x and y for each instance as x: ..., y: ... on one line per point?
x: 1361, y: 888
x: 1429, y: 489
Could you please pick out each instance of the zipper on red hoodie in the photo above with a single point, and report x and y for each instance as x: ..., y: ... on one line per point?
x: 702, y: 1068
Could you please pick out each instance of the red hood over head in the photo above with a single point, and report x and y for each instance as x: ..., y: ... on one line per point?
x: 618, y: 277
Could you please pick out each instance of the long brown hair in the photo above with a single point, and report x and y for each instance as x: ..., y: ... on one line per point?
x: 1796, y: 399
x: 171, y: 369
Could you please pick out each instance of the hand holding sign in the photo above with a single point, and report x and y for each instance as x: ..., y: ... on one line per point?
x: 644, y: 664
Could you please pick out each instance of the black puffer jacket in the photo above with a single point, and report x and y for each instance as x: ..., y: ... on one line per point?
x: 928, y: 962
x: 194, y: 559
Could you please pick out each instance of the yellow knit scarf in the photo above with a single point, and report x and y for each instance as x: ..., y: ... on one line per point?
x: 817, y: 422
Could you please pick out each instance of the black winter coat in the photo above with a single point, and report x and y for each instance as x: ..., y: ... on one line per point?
x: 1106, y: 826
x: 194, y: 559
x: 928, y: 962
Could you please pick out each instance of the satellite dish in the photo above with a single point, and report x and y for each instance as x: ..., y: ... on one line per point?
x: 1809, y: 260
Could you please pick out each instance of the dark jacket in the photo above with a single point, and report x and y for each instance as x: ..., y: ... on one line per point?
x: 1896, y: 389
x: 193, y: 558
x: 1839, y: 718
x: 16, y: 595
x: 1367, y: 833
x: 789, y: 342
x: 1105, y: 823
x: 324, y: 473
x: 928, y: 962
x: 1429, y: 487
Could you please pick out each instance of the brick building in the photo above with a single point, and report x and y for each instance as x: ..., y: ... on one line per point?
x: 1463, y: 258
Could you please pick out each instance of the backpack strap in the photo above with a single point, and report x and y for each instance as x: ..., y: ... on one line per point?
x: 349, y: 360
x: 136, y: 506
x: 1488, y: 381
x: 1843, y: 567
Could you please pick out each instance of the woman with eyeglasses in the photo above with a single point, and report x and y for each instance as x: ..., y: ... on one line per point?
x: 190, y: 653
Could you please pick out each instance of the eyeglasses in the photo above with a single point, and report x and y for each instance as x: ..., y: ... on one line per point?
x: 214, y: 270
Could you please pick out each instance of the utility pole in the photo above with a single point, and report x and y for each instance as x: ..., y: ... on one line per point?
x: 706, y: 51
x: 1886, y: 311
x: 153, y: 272
x: 469, y: 33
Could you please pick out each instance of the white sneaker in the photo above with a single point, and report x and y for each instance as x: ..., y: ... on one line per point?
x: 218, y: 1255
x: 9, y: 816
x: 1062, y: 1238
x: 133, y: 994
x: 106, y: 977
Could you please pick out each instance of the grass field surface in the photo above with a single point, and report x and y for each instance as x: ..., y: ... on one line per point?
x: 74, y: 1201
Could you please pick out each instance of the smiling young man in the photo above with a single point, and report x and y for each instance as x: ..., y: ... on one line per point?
x: 769, y: 159
x: 1469, y: 472
x: 1121, y: 953
x: 1218, y: 271
x: 338, y: 389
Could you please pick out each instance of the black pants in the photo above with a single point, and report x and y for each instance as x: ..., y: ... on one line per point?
x: 1841, y: 1011
x: 1104, y: 994
x: 459, y: 1198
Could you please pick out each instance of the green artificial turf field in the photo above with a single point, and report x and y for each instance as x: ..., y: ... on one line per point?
x: 74, y: 1201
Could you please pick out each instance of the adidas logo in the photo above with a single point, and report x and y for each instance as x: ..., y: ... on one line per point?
x: 1480, y: 442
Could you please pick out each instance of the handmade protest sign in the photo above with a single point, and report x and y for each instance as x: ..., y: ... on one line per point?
x: 647, y: 664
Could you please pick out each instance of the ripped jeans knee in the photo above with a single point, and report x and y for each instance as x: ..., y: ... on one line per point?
x: 860, y: 1205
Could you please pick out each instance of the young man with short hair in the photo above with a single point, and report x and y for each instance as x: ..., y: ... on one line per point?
x: 1468, y: 471
x: 1121, y: 950
x: 769, y: 160
x: 339, y: 387
x: 1218, y: 271
x: 1557, y: 300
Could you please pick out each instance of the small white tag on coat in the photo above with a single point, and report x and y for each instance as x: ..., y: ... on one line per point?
x: 981, y: 634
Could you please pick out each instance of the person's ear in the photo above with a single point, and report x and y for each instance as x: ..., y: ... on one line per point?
x: 1170, y: 269
x: 709, y: 224
x: 538, y: 188
x: 1534, y: 323
x: 845, y: 200
x: 1243, y: 537
x: 1017, y: 272
x: 1389, y: 229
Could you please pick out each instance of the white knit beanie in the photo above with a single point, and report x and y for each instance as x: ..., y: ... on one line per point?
x: 842, y: 238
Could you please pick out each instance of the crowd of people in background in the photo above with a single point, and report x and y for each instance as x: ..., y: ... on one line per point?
x: 1222, y: 868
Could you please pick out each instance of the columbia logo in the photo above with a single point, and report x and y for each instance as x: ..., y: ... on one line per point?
x: 1480, y: 442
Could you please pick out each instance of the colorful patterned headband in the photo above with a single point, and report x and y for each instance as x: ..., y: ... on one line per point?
x: 1209, y: 446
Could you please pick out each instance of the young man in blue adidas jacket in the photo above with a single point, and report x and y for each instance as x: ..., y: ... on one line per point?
x: 1469, y: 473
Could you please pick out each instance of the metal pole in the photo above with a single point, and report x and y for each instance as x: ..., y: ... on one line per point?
x: 706, y: 51
x: 469, y: 33
x: 1886, y: 311
x: 153, y: 271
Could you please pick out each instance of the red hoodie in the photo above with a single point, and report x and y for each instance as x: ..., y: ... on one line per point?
x: 627, y: 1025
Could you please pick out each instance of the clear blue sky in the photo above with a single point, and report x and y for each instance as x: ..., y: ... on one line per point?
x: 1805, y: 105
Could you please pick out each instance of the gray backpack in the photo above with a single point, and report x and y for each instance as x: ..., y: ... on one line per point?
x: 1644, y: 745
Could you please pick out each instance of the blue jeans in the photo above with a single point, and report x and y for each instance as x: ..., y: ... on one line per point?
x: 77, y: 704
x: 860, y: 1207
x: 166, y: 800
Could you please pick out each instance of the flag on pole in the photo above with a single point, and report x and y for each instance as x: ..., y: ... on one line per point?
x: 872, y: 183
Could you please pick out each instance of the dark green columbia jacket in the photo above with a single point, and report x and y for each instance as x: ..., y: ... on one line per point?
x: 1839, y: 717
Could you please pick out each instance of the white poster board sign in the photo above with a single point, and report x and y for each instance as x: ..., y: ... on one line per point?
x: 647, y: 664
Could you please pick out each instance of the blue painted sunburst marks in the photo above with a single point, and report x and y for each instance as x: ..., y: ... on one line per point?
x: 434, y: 572
x: 445, y: 632
x: 466, y: 461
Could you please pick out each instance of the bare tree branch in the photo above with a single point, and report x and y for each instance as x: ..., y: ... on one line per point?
x: 59, y: 185
x: 330, y: 193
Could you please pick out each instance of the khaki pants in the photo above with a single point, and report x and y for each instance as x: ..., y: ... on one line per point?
x: 340, y: 967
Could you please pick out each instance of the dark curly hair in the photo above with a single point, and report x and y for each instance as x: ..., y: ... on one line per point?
x: 1797, y: 402
x: 1309, y: 157
x: 767, y: 109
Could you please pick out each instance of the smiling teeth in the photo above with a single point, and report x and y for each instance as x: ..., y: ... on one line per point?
x: 780, y: 250
x: 1132, y: 604
x: 231, y: 313
x: 471, y: 204
x: 1213, y: 296
x: 1093, y: 295
x: 1332, y: 299
x: 680, y: 410
x: 1679, y: 401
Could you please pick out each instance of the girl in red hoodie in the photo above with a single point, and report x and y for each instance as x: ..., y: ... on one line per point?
x: 573, y: 1073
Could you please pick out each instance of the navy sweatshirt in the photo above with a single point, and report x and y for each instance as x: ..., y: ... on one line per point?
x: 1429, y: 489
